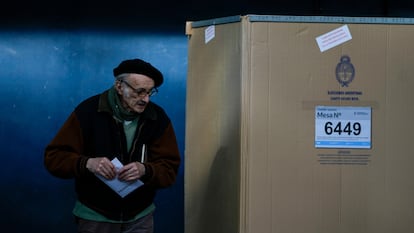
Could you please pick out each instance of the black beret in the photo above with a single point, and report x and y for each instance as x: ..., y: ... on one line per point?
x: 138, y: 66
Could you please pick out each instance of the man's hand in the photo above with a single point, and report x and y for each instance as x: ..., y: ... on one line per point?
x: 101, y: 166
x: 131, y: 172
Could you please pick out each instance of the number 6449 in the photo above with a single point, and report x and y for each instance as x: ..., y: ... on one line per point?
x: 343, y: 128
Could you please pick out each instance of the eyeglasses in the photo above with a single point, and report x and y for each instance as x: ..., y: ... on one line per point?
x: 141, y: 92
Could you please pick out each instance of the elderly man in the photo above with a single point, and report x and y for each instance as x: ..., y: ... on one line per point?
x: 117, y: 138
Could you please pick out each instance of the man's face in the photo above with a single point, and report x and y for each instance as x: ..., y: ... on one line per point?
x: 134, y: 91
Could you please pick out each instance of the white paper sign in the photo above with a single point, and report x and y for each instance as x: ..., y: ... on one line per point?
x: 209, y: 33
x: 342, y: 127
x: 333, y: 38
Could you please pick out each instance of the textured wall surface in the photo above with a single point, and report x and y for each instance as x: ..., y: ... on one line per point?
x: 44, y: 75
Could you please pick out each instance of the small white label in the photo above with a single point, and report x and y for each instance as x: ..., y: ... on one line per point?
x: 333, y: 38
x: 209, y: 33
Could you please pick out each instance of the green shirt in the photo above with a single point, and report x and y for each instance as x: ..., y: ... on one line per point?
x: 84, y: 212
x: 129, y: 128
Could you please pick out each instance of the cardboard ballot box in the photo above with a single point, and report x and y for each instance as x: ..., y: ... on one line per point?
x: 300, y: 125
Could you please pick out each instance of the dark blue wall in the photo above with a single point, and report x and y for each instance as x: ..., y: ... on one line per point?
x: 44, y: 74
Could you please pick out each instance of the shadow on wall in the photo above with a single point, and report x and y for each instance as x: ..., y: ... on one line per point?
x: 221, y: 199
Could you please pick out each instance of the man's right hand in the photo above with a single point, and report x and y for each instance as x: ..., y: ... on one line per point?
x: 101, y: 166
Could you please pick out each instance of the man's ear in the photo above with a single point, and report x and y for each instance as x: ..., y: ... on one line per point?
x: 118, y: 87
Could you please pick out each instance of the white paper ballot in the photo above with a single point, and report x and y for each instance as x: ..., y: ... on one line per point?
x: 121, y: 187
